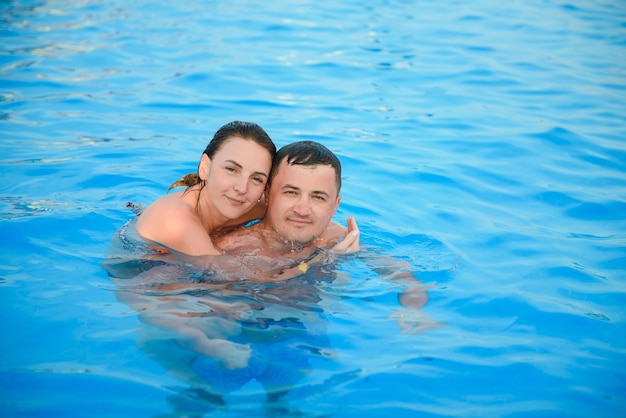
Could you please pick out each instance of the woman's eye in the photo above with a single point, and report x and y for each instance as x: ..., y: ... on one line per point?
x: 231, y: 169
x: 258, y: 180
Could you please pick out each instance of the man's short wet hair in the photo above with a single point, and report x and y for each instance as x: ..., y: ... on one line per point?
x: 307, y: 153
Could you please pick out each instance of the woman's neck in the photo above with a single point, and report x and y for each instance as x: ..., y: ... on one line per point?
x: 208, y: 216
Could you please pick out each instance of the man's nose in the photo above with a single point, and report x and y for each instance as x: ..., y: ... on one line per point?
x: 302, y: 206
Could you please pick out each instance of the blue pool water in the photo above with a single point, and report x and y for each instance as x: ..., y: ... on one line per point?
x: 482, y: 143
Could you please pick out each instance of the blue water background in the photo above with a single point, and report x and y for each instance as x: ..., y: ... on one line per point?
x: 483, y: 142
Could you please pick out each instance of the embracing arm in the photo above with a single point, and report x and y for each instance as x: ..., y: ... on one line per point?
x: 323, y: 251
x: 350, y: 242
x: 339, y: 239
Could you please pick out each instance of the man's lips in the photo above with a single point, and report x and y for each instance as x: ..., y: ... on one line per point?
x: 299, y: 221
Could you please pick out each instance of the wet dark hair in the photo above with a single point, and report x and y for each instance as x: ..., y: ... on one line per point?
x: 306, y: 153
x: 246, y: 130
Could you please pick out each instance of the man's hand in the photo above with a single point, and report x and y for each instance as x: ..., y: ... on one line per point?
x: 350, y: 242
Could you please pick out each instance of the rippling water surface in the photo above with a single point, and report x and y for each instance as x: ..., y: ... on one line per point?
x: 482, y: 143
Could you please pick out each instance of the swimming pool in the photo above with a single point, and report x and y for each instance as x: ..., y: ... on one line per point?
x: 482, y: 143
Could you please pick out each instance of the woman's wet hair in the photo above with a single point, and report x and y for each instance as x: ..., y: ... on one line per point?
x: 245, y: 130
x: 307, y: 153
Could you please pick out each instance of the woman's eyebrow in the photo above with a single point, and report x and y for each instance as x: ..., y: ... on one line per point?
x: 262, y: 173
x: 234, y: 162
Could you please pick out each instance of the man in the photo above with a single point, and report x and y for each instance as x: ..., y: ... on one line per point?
x: 304, y: 186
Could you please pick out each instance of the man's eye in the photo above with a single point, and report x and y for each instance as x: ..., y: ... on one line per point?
x: 231, y: 169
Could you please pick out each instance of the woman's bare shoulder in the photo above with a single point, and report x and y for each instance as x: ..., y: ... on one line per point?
x: 164, y: 216
x: 172, y: 222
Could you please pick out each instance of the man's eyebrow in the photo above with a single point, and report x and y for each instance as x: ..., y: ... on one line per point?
x: 290, y: 186
x: 317, y: 192
x: 320, y: 192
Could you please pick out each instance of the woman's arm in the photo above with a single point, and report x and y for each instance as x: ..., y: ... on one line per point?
x: 339, y: 239
x: 350, y: 242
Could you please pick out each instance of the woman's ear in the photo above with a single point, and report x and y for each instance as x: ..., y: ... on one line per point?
x: 204, y: 167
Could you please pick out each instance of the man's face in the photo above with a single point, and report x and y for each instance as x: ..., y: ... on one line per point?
x: 302, y: 201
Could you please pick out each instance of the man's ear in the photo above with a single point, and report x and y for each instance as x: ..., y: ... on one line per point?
x: 336, y: 204
x: 204, y: 167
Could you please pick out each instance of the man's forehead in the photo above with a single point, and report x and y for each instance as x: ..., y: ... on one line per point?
x: 321, y: 176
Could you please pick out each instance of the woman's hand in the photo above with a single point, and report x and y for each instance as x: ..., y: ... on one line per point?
x: 350, y: 242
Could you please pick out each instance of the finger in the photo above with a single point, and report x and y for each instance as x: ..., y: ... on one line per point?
x: 352, y: 226
x: 353, y: 229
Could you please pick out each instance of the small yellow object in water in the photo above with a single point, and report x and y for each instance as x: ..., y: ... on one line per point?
x: 303, y: 267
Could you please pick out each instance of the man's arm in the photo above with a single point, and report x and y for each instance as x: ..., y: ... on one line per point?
x: 413, y: 297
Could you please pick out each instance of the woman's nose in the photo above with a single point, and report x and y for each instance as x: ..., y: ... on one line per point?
x: 241, y: 186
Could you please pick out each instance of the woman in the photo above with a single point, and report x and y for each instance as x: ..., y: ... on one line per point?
x: 227, y: 189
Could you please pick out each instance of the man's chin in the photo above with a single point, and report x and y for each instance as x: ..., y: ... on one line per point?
x: 300, y: 240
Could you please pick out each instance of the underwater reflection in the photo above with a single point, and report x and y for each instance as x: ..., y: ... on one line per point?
x: 217, y: 332
x: 219, y: 335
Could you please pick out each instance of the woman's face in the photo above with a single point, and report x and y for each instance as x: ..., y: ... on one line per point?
x: 235, y: 177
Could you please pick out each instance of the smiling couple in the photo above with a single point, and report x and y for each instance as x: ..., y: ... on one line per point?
x: 240, y: 178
